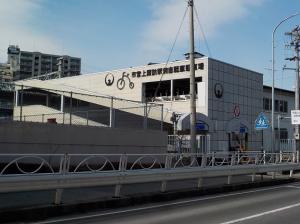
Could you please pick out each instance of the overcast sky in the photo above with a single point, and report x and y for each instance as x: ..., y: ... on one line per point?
x: 122, y: 33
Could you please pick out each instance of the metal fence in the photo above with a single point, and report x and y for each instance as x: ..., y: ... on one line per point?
x: 86, y: 108
x: 29, y: 172
x: 181, y: 143
x: 287, y: 145
x: 126, y: 117
x: 6, y: 105
x: 29, y: 164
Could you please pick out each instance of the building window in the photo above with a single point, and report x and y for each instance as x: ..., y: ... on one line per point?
x: 285, y: 107
x: 276, y: 105
x: 176, y: 69
x: 201, y: 66
x: 182, y: 68
x: 280, y: 105
x: 282, y: 134
x: 267, y: 104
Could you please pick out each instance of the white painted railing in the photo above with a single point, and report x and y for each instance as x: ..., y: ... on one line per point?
x: 287, y: 145
x: 29, y: 172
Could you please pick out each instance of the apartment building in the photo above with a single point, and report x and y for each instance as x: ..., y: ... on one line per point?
x: 5, y: 73
x: 26, y: 64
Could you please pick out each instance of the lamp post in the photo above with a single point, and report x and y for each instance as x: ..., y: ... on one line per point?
x: 273, y: 75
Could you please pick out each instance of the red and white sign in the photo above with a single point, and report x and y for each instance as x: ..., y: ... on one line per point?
x: 236, y: 111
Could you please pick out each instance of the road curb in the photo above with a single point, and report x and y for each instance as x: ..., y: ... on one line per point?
x: 45, y: 212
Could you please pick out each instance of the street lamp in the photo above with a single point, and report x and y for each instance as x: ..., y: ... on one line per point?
x: 273, y: 75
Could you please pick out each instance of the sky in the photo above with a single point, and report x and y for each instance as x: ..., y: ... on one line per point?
x: 123, y: 33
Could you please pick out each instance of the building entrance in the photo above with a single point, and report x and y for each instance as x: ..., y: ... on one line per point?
x: 238, y: 142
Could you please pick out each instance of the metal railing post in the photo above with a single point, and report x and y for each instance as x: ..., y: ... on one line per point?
x: 21, y: 103
x: 63, y: 169
x: 213, y: 159
x: 162, y: 118
x: 204, y: 160
x: 111, y: 113
x: 232, y: 163
x: 264, y: 156
x: 253, y: 177
x: 280, y: 156
x: 122, y: 168
x: 200, y: 182
x: 168, y: 164
x: 71, y: 107
x: 145, y: 123
x: 87, y: 118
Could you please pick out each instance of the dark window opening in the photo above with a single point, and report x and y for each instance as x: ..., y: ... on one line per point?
x: 201, y: 66
x: 163, y: 91
x: 285, y: 107
x: 282, y: 134
x: 159, y: 71
x: 176, y: 69
x: 276, y: 105
x: 181, y: 87
x: 182, y: 68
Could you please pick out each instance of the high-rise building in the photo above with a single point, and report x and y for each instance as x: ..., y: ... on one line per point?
x: 25, y: 64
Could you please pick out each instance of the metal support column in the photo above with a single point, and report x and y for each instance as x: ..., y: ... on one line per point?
x: 16, y: 98
x: 21, y: 103
x: 162, y: 118
x: 111, y: 113
x: 145, y: 119
x: 71, y: 107
x: 61, y: 103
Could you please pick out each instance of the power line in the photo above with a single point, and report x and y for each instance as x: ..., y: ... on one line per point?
x: 169, y: 56
x: 203, y: 34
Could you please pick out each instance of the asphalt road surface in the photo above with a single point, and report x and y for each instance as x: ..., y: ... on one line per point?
x: 278, y: 204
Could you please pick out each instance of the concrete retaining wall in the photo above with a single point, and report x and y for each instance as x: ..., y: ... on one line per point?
x: 22, y: 137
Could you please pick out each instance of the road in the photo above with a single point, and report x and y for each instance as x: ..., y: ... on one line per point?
x: 278, y: 204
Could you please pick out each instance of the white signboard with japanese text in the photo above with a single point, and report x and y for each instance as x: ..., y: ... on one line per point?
x: 295, y: 114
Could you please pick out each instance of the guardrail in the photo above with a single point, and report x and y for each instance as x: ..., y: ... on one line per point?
x: 30, y: 172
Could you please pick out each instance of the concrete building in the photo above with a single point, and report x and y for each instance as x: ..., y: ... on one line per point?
x: 25, y: 64
x: 284, y: 130
x: 229, y: 98
x: 6, y: 96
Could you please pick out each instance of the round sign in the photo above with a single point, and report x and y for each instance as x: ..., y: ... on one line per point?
x: 109, y: 79
x: 218, y: 90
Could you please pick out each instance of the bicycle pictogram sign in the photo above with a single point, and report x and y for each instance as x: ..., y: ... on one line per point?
x: 121, y: 81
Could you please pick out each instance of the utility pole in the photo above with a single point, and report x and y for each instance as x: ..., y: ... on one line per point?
x: 295, y: 42
x: 273, y: 76
x: 192, y: 80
